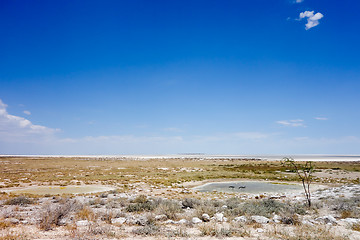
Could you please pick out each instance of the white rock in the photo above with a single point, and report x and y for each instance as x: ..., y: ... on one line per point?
x: 240, y: 219
x: 182, y: 221
x: 196, y: 220
x: 120, y: 220
x: 219, y: 217
x: 260, y: 219
x: 224, y: 207
x: 82, y: 223
x: 276, y: 219
x: 170, y: 222
x: 307, y: 222
x: 62, y: 222
x: 326, y: 219
x: 205, y: 217
x: 163, y: 168
x: 161, y: 217
x: 351, y: 220
x: 260, y: 230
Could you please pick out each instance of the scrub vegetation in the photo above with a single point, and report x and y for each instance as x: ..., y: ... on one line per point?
x: 153, y: 199
x: 17, y: 171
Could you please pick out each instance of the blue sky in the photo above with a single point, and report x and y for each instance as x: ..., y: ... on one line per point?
x: 167, y: 77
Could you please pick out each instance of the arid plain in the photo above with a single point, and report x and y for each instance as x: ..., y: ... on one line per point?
x: 154, y: 198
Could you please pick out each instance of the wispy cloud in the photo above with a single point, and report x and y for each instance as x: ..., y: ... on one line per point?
x: 299, y: 1
x: 312, y: 19
x: 321, y: 118
x: 292, y: 123
x: 15, y: 128
x: 124, y: 139
x: 27, y: 112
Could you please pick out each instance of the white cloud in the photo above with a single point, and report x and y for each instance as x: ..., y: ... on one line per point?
x: 299, y: 1
x: 18, y: 129
x: 27, y: 112
x: 312, y: 19
x: 321, y: 118
x: 292, y: 123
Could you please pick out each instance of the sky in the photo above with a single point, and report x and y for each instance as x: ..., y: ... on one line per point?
x: 169, y: 77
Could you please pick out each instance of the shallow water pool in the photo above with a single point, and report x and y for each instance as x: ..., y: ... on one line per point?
x: 42, y: 190
x: 255, y: 187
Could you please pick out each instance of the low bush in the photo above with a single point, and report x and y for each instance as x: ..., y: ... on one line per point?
x: 190, y: 202
x: 141, y: 204
x: 177, y: 233
x: 264, y: 207
x: 346, y: 207
x: 53, y: 214
x: 86, y: 213
x: 97, y: 229
x: 140, y: 207
x: 20, y: 200
x: 219, y: 231
x: 206, y: 207
x: 147, y: 230
x: 170, y: 208
x: 291, y: 219
x: 307, y: 232
x: 233, y: 203
x: 140, y: 199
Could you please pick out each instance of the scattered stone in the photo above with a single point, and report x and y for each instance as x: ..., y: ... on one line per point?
x: 224, y: 207
x: 326, y: 219
x: 260, y: 230
x: 196, y: 220
x: 63, y: 222
x: 260, y: 219
x: 351, y: 220
x: 307, y: 222
x: 219, y: 217
x: 182, y: 221
x: 82, y: 223
x: 205, y: 217
x: 170, y: 222
x: 276, y: 219
x: 274, y: 197
x: 161, y: 217
x: 240, y: 219
x: 120, y: 220
x: 163, y: 168
x: 24, y: 222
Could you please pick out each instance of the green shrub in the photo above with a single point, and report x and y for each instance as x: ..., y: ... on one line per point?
x: 140, y: 207
x: 265, y: 207
x: 147, y: 230
x: 20, y: 200
x: 169, y: 208
x: 190, y: 202
x: 346, y: 207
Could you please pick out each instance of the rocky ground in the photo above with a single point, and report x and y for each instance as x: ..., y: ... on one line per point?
x: 334, y: 214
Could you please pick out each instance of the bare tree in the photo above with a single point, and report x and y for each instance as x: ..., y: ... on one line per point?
x: 304, y: 172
